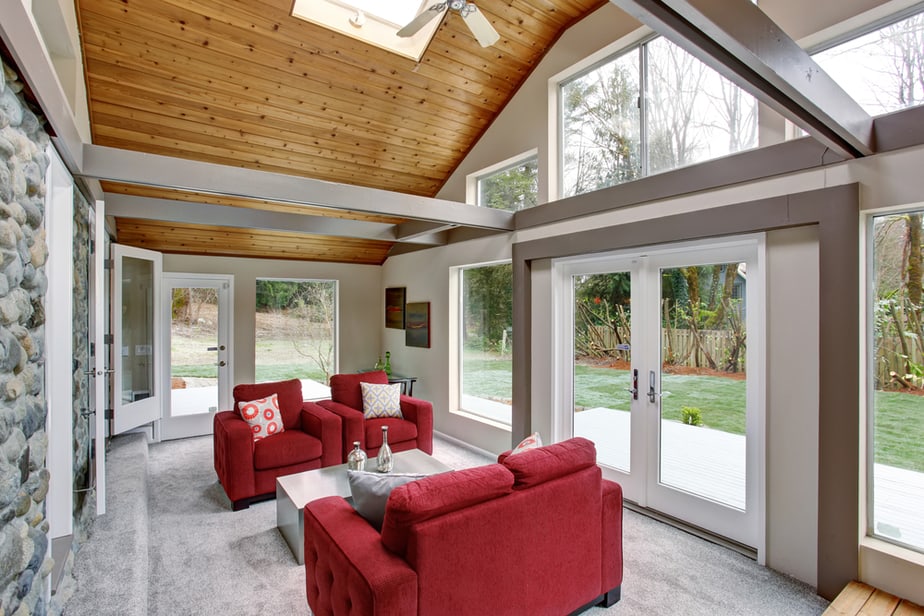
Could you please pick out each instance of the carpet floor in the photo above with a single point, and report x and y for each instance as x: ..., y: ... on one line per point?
x: 204, y: 559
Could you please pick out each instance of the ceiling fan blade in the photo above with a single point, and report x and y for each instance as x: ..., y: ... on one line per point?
x: 422, y: 20
x: 481, y: 28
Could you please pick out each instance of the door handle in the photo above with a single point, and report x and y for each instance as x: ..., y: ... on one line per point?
x: 634, y: 389
x: 652, y: 394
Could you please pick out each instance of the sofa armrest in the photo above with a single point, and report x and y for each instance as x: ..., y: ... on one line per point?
x: 421, y: 413
x: 233, y: 454
x: 325, y: 426
x: 352, y: 422
x: 612, y: 534
x: 348, y: 569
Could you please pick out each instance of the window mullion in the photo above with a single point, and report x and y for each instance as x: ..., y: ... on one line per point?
x: 643, y: 108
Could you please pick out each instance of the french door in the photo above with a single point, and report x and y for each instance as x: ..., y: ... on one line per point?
x: 136, y: 334
x: 197, y: 309
x: 665, y: 377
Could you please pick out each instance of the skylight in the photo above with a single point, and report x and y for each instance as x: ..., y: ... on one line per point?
x: 372, y: 21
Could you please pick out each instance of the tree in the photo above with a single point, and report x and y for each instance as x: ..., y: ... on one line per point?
x: 601, y: 127
x: 487, y: 296
x: 514, y: 189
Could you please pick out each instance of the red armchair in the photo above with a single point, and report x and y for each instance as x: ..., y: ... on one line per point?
x: 414, y: 430
x: 247, y: 469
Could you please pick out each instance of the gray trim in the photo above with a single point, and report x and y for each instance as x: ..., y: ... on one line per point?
x: 835, y: 211
x: 782, y: 158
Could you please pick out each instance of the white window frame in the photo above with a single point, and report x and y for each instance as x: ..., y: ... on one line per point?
x: 472, y: 180
x: 875, y: 552
x: 456, y: 349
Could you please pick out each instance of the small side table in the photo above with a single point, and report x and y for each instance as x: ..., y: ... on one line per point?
x: 407, y: 383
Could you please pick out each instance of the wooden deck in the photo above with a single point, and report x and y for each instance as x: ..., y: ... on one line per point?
x: 861, y: 599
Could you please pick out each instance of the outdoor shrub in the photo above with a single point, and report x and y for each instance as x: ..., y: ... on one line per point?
x: 691, y: 416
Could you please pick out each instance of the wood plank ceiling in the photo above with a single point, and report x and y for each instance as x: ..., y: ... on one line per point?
x: 243, y: 83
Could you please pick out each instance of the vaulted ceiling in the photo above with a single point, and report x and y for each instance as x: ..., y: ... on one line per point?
x: 242, y: 83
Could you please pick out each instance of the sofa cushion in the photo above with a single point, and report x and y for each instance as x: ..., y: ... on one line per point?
x: 344, y: 388
x: 536, y: 466
x: 262, y: 416
x: 533, y: 441
x: 289, y: 395
x: 285, y: 449
x: 381, y: 401
x: 399, y: 430
x: 437, y: 495
x: 370, y: 492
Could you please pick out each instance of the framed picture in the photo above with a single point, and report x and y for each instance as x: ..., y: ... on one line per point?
x: 417, y: 332
x: 394, y: 307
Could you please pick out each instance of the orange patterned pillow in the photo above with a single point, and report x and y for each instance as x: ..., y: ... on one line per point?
x: 263, y: 416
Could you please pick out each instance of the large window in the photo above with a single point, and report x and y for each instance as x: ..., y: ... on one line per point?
x: 615, y: 129
x: 896, y: 380
x: 296, y: 332
x: 512, y: 187
x: 485, y: 342
x: 883, y: 70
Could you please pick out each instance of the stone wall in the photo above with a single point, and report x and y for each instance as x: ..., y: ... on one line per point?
x: 24, y: 555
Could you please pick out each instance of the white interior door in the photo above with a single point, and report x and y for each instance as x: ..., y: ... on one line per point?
x: 136, y: 337
x: 666, y: 378
x: 197, y: 311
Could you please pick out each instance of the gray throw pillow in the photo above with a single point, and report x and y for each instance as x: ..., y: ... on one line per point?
x: 370, y: 492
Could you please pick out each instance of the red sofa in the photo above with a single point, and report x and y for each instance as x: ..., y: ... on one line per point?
x: 540, y: 532
x: 413, y: 431
x: 247, y: 469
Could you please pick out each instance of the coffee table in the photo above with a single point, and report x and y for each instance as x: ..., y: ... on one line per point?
x: 293, y: 492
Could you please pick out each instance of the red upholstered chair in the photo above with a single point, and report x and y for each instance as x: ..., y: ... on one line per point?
x: 414, y: 430
x: 247, y: 469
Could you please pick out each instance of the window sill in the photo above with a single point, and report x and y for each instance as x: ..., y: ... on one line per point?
x: 892, y: 568
x: 482, y: 419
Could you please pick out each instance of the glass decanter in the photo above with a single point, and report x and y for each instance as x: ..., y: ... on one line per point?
x: 356, y: 460
x: 384, y: 461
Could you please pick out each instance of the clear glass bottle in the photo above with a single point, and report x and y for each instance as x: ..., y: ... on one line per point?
x: 384, y: 461
x: 378, y: 364
x: 356, y: 460
x: 388, y: 363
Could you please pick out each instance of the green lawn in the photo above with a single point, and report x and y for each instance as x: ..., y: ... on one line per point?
x: 899, y: 417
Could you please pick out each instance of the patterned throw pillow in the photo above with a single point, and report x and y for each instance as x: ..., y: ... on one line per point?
x: 381, y: 400
x: 533, y: 441
x: 263, y: 416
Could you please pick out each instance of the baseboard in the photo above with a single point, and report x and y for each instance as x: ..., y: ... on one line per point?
x: 464, y: 445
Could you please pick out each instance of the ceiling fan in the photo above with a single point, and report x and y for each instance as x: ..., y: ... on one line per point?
x: 481, y: 28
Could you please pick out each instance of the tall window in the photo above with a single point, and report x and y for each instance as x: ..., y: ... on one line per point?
x: 614, y: 129
x: 296, y: 327
x: 485, y: 342
x: 896, y: 380
x: 882, y: 70
x: 513, y: 187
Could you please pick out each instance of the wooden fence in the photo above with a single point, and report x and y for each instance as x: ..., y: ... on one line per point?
x: 890, y: 358
x: 679, y: 344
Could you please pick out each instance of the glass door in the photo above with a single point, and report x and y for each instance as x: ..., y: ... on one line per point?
x: 662, y: 341
x: 198, y: 365
x: 136, y: 336
x: 704, y: 406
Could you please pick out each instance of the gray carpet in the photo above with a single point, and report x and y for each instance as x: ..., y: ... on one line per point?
x: 204, y: 559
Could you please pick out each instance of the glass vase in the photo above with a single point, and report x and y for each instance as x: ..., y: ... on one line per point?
x: 384, y: 461
x: 356, y: 460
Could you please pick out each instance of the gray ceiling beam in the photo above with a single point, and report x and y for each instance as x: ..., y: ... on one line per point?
x: 737, y: 39
x: 148, y: 208
x: 104, y: 163
x: 407, y: 231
